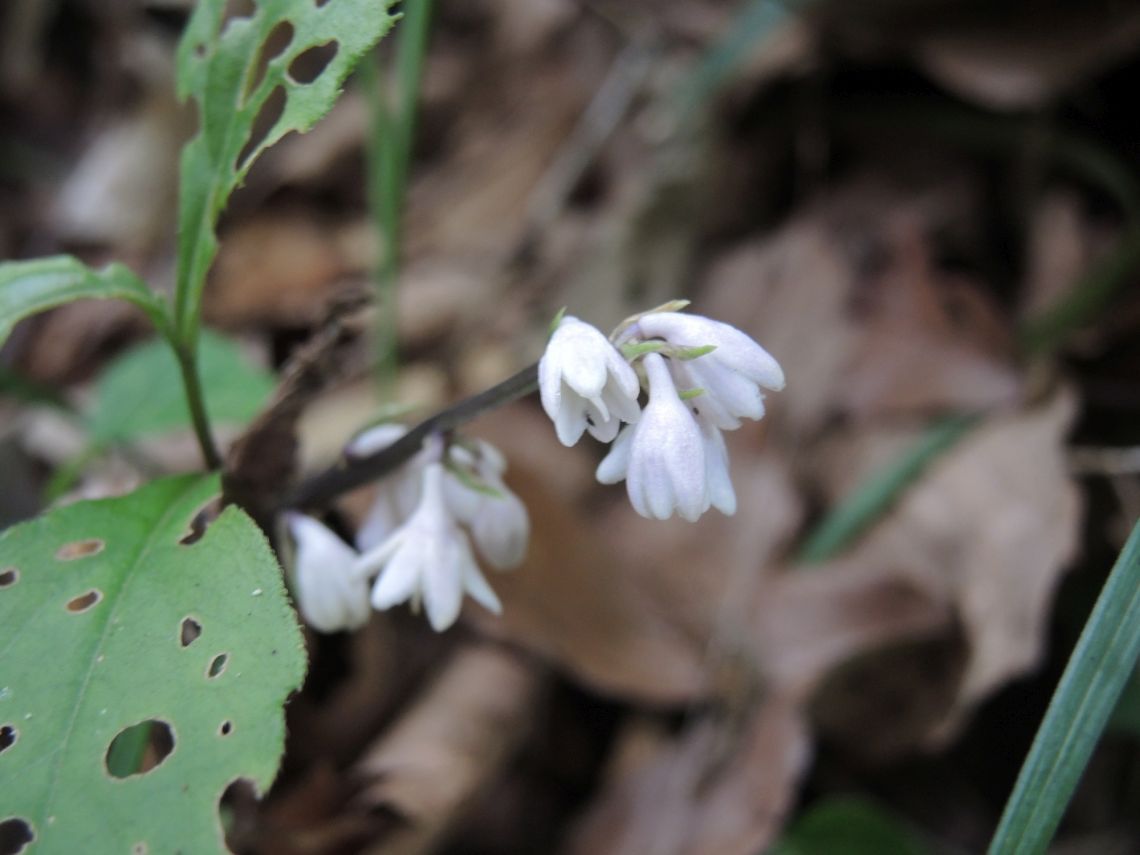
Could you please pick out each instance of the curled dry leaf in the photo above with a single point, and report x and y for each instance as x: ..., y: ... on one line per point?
x: 456, y: 735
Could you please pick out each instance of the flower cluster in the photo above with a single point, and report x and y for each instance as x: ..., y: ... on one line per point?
x: 703, y: 377
x: 416, y: 539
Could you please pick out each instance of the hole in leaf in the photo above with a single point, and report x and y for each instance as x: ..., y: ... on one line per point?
x: 140, y: 848
x: 200, y: 521
x: 189, y: 632
x: 226, y: 729
x: 321, y: 3
x: 8, y: 736
x: 9, y: 576
x: 239, y: 9
x: 308, y: 64
x: 267, y: 117
x: 217, y: 665
x: 139, y: 749
x: 79, y: 549
x: 15, y: 834
x: 83, y: 602
x: 279, y: 38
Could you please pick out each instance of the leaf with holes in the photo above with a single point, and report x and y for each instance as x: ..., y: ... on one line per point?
x: 122, y: 612
x: 27, y: 287
x: 255, y: 79
x: 140, y: 393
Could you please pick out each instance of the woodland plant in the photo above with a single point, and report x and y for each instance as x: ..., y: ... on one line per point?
x: 167, y: 621
x: 164, y: 613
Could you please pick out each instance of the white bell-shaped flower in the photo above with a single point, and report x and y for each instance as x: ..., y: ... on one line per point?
x: 428, y: 559
x: 495, y: 516
x: 585, y: 383
x: 662, y: 456
x: 731, y: 376
x: 330, y: 596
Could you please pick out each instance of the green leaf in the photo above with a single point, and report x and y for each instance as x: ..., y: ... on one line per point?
x: 217, y: 67
x: 140, y: 392
x: 1126, y: 716
x: 28, y: 287
x: 110, y: 616
x: 1101, y: 664
x: 851, y: 826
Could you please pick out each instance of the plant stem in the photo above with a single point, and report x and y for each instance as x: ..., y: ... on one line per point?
x: 196, y: 401
x: 389, y: 155
x: 351, y: 473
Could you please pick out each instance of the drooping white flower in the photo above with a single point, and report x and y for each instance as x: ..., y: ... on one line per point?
x: 495, y: 516
x: 731, y: 376
x: 428, y: 559
x: 662, y: 455
x: 585, y: 383
x: 329, y: 594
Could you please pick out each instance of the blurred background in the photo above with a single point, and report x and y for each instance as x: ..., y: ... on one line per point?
x: 928, y: 211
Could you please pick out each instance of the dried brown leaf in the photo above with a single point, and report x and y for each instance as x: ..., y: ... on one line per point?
x: 453, y: 738
x: 723, y: 787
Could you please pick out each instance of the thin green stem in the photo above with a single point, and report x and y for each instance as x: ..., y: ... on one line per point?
x: 1102, y: 661
x: 389, y: 157
x: 878, y: 492
x: 196, y: 401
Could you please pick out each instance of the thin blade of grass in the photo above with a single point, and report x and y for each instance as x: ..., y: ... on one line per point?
x: 1088, y: 691
x: 872, y: 498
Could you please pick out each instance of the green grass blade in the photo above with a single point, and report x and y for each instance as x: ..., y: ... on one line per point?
x: 389, y: 156
x: 1085, y: 698
x: 871, y: 499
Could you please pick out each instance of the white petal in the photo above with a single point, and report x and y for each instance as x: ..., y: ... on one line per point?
x: 550, y: 384
x: 463, y: 501
x: 603, y: 430
x: 728, y: 391
x: 622, y: 375
x: 621, y: 404
x: 582, y: 350
x: 481, y: 591
x: 570, y: 421
x: 443, y: 580
x: 501, y: 530
x: 721, y: 494
x: 615, y: 465
x: 374, y: 439
x: 400, y: 579
x: 370, y: 562
x: 734, y: 348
